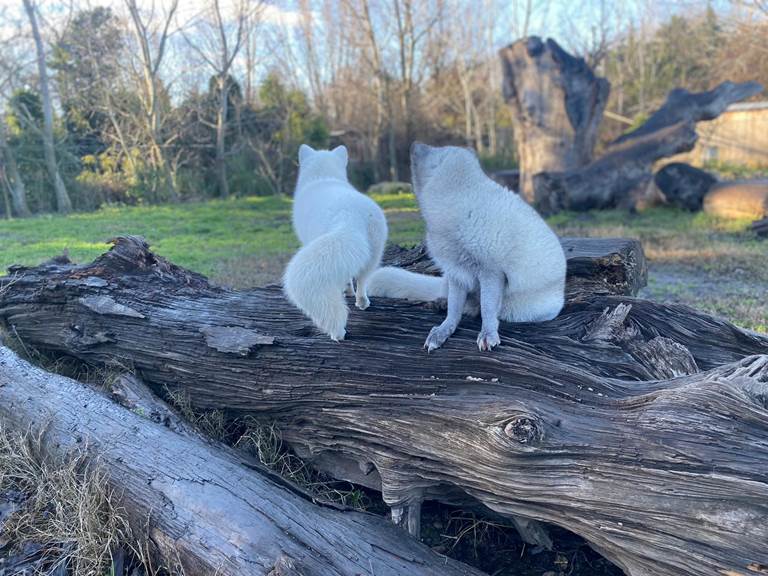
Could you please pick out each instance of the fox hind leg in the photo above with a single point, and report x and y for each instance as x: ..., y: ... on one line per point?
x: 361, y: 291
x: 457, y: 296
x: 491, y: 293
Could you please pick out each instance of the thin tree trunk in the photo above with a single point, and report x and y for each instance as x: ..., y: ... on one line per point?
x: 150, y: 67
x: 13, y: 178
x: 221, y: 129
x: 5, y: 185
x: 63, y: 202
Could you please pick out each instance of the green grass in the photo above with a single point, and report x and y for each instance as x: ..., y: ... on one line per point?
x: 696, y: 259
x: 213, y: 238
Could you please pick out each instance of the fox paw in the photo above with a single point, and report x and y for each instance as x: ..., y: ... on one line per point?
x: 337, y: 335
x: 488, y: 339
x: 335, y: 328
x: 362, y: 302
x: 437, y: 337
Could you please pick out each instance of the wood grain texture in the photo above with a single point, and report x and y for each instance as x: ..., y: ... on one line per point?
x: 206, y: 506
x: 575, y: 422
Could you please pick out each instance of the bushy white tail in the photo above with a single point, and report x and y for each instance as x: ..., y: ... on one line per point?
x: 319, y: 272
x: 392, y: 282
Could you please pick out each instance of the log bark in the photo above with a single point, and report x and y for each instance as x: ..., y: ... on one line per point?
x: 640, y: 426
x: 206, y: 506
x: 595, y: 265
x: 557, y: 103
x: 738, y: 199
x: 760, y: 227
x: 684, y: 185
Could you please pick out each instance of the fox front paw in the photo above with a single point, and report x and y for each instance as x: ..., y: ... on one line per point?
x: 437, y: 337
x: 488, y: 339
x: 362, y: 302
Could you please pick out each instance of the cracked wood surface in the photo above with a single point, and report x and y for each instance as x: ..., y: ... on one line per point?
x: 576, y: 421
x: 204, y: 505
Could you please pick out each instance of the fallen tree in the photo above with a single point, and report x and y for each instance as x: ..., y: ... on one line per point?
x: 738, y: 199
x: 557, y: 103
x: 205, y: 506
x: 760, y: 227
x: 640, y: 426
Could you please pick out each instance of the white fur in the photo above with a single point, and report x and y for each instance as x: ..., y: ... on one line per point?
x: 343, y: 234
x: 482, y: 237
x: 394, y: 282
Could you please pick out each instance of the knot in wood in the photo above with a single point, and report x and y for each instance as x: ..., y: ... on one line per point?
x: 524, y: 429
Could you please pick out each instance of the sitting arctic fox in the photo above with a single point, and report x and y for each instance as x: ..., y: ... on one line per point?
x: 482, y: 237
x: 343, y: 234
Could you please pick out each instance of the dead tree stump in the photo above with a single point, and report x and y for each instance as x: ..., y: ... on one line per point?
x: 557, y: 103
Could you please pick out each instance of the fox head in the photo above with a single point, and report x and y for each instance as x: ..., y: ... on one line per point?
x: 323, y: 163
x: 446, y: 166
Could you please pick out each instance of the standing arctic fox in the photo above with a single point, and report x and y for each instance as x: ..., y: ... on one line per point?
x: 342, y: 233
x: 482, y: 237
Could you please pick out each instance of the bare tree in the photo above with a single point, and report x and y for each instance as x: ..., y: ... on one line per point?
x: 218, y: 43
x: 63, y: 202
x: 371, y: 46
x: 10, y: 174
x: 414, y: 22
x: 152, y: 38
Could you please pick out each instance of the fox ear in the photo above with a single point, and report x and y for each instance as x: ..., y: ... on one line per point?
x: 341, y: 153
x: 304, y: 153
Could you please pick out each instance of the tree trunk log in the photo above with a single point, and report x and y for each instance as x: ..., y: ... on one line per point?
x: 207, y: 507
x: 557, y: 103
x: 760, y: 227
x: 598, y: 421
x: 738, y: 199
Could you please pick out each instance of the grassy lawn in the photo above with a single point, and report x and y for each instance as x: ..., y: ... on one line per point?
x: 694, y: 259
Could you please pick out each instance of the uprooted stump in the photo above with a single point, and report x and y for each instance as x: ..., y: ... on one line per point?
x: 640, y: 426
x: 557, y: 103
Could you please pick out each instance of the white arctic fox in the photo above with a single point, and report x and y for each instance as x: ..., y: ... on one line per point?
x: 342, y: 232
x: 482, y: 237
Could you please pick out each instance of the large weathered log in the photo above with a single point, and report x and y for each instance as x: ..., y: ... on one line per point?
x: 205, y: 506
x: 596, y: 421
x: 760, y: 227
x: 557, y: 102
x: 738, y: 199
x: 595, y: 265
